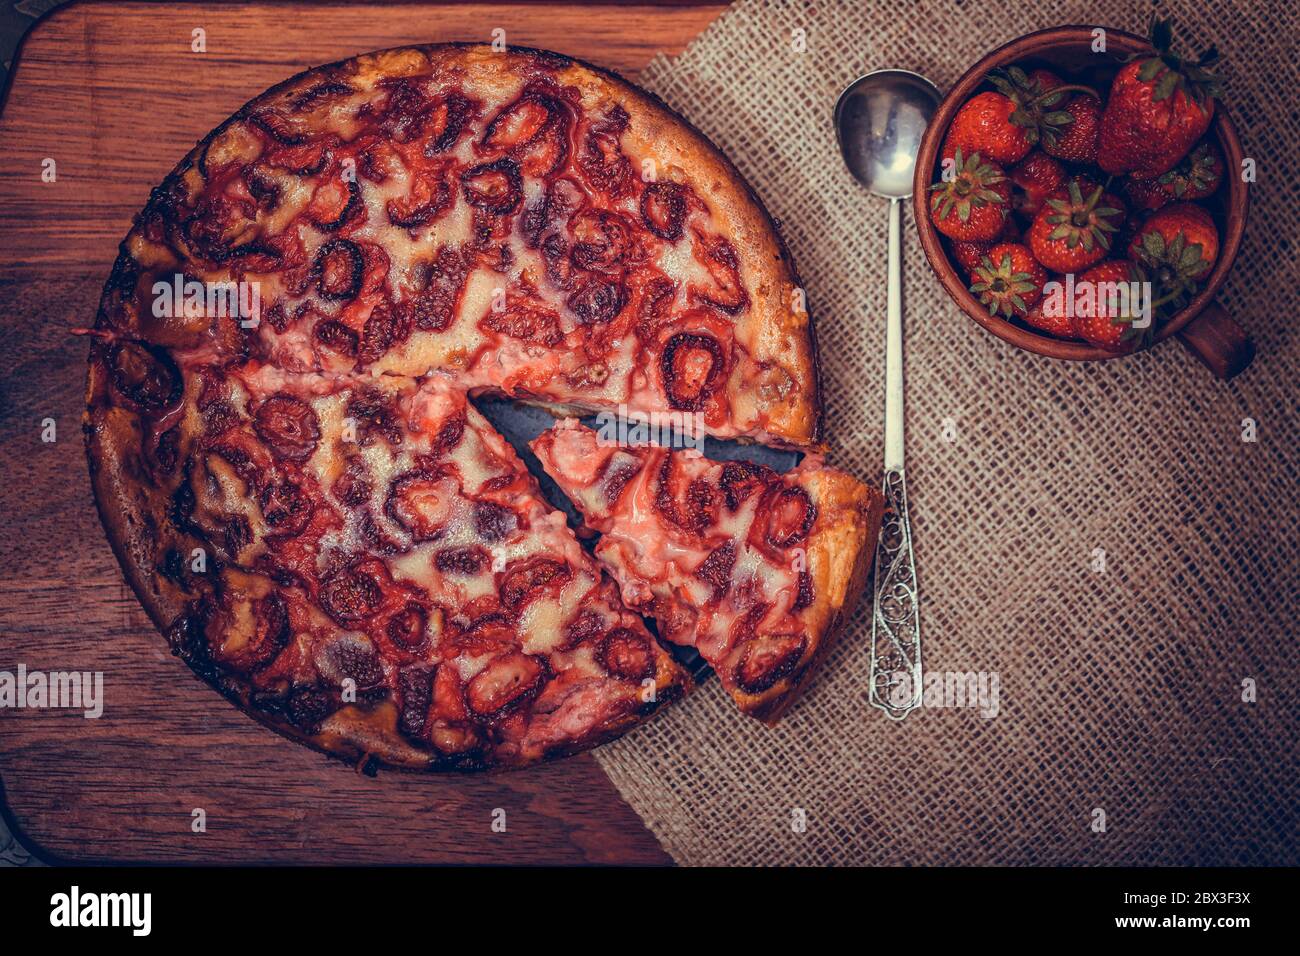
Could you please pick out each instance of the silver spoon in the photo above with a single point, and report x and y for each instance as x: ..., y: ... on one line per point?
x: 879, y: 120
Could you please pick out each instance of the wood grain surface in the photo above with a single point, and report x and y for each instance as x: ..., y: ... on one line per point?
x: 114, y: 95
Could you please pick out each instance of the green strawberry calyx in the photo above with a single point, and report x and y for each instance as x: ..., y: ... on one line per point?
x: 1001, y: 288
x: 1037, y: 108
x: 1171, y: 73
x: 1081, y: 221
x: 1176, y: 268
x: 1198, y: 170
x: 1132, y: 334
x: 967, y: 189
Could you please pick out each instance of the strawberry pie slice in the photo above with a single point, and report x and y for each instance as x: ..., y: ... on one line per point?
x: 754, y: 569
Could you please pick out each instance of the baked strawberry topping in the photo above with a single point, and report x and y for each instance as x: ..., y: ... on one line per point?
x: 143, y: 375
x: 465, y: 682
x: 663, y: 209
x: 414, y: 225
x: 714, y: 551
x: 352, y: 594
x: 371, y: 243
x: 693, y: 367
x: 288, y: 426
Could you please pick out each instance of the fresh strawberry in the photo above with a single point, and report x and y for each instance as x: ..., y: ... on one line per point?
x: 1037, y: 82
x: 983, y: 125
x: 974, y: 203
x: 1072, y: 230
x: 1042, y: 79
x: 1132, y: 223
x: 1085, y: 182
x: 1197, y: 174
x: 969, y: 254
x: 1008, y: 281
x: 1087, y: 186
x: 1054, y: 322
x: 1077, y: 140
x: 1038, y: 97
x: 1033, y: 179
x: 1144, y: 193
x: 1159, y: 106
x: 1099, y: 314
x: 1178, y: 245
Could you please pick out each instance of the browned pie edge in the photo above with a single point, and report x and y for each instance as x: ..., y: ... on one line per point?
x: 137, y: 520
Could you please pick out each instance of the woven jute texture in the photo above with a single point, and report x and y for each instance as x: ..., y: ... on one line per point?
x: 1122, y: 736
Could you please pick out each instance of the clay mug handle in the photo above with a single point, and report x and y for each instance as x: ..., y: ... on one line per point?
x: 1218, y: 341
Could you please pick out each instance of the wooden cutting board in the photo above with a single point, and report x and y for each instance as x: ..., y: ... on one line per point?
x: 114, y: 95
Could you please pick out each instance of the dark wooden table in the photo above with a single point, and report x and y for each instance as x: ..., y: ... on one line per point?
x: 114, y: 96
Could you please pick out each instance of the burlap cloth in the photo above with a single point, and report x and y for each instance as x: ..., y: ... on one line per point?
x: 1121, y: 691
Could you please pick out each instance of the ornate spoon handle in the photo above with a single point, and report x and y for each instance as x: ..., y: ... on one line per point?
x: 896, y: 618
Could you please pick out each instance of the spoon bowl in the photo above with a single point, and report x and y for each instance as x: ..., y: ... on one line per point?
x: 880, y: 119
